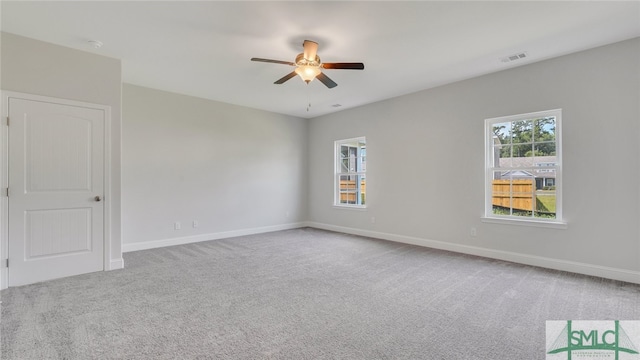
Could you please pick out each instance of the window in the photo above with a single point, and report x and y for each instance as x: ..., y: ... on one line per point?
x: 350, y: 172
x: 523, y: 167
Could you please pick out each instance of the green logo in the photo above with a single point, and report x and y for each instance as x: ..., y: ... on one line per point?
x: 593, y: 339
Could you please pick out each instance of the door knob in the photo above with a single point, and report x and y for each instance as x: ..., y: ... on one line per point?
x: 97, y: 198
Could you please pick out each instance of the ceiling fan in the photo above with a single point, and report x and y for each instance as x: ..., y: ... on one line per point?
x: 309, y: 67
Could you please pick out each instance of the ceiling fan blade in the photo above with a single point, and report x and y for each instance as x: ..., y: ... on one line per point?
x: 348, y: 66
x: 325, y: 80
x: 273, y: 61
x: 285, y: 78
x: 310, y: 50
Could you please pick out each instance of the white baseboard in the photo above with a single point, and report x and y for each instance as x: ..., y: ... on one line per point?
x: 206, y: 237
x: 549, y: 263
x: 115, y: 264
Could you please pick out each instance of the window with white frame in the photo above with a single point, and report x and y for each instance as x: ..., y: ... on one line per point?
x: 524, y: 167
x: 350, y: 172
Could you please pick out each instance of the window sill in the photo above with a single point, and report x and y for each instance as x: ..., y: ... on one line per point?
x: 350, y: 207
x: 526, y: 222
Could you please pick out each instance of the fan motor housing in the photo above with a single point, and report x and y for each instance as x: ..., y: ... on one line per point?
x: 301, y: 61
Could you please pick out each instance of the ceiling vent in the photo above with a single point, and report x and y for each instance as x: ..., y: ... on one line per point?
x: 96, y: 44
x: 514, y: 57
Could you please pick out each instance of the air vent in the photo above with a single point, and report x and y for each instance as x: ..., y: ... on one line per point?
x: 514, y: 57
x: 96, y: 44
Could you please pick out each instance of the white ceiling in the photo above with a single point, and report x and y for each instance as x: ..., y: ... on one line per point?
x: 203, y: 48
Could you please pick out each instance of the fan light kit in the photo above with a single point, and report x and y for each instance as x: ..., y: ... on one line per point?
x: 309, y: 67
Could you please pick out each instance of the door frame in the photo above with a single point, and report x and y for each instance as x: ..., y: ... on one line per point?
x: 4, y: 176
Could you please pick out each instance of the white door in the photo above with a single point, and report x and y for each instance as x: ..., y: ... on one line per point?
x: 56, y: 182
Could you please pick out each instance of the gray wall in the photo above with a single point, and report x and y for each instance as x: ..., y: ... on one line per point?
x: 39, y: 68
x: 235, y: 169
x: 425, y: 163
x: 228, y: 167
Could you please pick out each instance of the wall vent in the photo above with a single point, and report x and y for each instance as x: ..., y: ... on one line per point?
x: 514, y: 57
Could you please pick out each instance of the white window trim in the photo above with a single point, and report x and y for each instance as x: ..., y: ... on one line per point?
x: 336, y: 173
x: 552, y: 224
x: 559, y: 222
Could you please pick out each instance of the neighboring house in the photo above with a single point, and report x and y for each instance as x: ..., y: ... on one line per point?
x: 533, y: 167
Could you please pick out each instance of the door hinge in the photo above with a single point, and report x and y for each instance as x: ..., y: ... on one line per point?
x: 7, y: 121
x: 7, y: 192
x: 7, y: 262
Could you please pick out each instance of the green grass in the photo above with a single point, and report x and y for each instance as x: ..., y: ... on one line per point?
x: 546, y: 202
x: 545, y: 206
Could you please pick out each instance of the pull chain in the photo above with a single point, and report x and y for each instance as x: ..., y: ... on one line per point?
x: 308, y: 99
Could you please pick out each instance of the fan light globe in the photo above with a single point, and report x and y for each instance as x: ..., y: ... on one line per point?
x: 308, y: 73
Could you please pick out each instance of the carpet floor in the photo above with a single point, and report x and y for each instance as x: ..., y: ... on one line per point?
x: 303, y: 294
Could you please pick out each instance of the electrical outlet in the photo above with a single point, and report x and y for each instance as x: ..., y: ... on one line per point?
x: 177, y: 225
x: 194, y: 224
x: 373, y: 219
x: 473, y: 232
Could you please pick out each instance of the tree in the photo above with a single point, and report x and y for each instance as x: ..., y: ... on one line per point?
x: 526, y: 138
